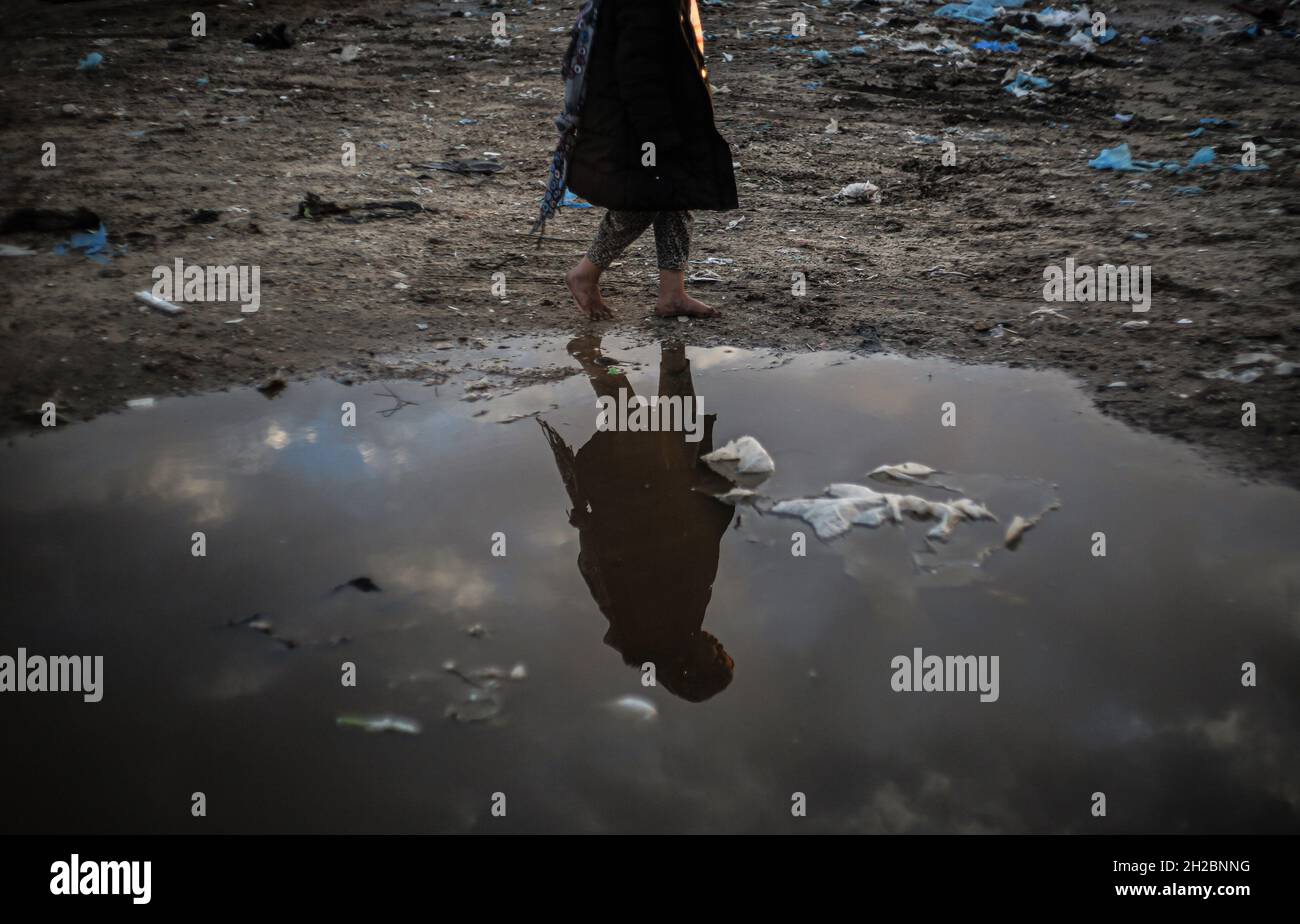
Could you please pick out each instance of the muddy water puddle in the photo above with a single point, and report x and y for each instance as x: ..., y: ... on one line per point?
x: 496, y: 574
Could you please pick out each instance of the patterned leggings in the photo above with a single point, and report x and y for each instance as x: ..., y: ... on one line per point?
x: 619, y: 229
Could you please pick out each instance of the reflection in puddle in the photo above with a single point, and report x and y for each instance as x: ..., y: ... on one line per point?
x: 1118, y: 673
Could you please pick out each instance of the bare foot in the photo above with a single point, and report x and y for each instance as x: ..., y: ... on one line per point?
x: 679, y: 303
x: 584, y: 284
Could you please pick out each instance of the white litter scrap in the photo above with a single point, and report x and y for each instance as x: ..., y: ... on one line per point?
x: 913, y: 472
x: 635, y: 707
x: 158, y: 304
x: 380, y: 723
x: 742, y: 460
x: 860, y: 191
x: 847, y: 505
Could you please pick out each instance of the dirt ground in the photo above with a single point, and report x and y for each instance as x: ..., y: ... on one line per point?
x: 202, y: 148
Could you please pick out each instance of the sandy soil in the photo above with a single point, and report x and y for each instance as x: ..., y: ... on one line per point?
x: 949, y: 262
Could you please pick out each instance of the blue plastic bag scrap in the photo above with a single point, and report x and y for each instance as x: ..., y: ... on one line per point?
x: 93, y: 244
x: 1023, y: 83
x: 998, y: 47
x: 573, y: 202
x: 1121, y: 158
x: 90, y: 61
x: 1202, y: 158
x: 977, y: 11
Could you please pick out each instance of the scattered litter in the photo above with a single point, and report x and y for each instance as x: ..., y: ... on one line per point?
x: 976, y: 11
x: 276, y: 37
x: 1053, y: 312
x: 347, y: 53
x: 380, y: 723
x: 1253, y: 359
x: 847, y: 505
x: 634, y: 707
x: 477, y: 706
x: 704, y: 276
x: 572, y: 201
x: 737, y: 496
x: 314, y: 208
x: 1241, y: 378
x: 270, y: 390
x: 1188, y: 191
x: 1120, y: 158
x: 1023, y: 84
x: 1135, y: 325
x: 859, y: 191
x: 465, y: 167
x: 139, y: 404
x: 742, y: 461
x: 92, y: 244
x: 158, y: 304
x: 821, y: 57
x: 912, y: 472
x: 1020, y: 525
x: 9, y: 250
x: 997, y: 47
x: 90, y: 62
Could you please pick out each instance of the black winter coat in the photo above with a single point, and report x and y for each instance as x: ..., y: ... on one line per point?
x: 646, y: 83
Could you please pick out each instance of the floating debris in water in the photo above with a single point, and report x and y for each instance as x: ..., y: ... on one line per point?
x: 743, y: 460
x: 848, y: 505
x: 363, y: 584
x: 913, y: 472
x: 477, y: 706
x: 380, y: 723
x: 635, y: 707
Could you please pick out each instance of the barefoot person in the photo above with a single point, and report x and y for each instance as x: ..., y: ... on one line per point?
x: 637, y: 137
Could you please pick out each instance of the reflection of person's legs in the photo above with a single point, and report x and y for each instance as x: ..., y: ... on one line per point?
x: 617, y: 230
x: 673, y: 246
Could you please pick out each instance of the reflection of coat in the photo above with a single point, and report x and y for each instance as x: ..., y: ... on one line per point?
x: 649, y: 532
x: 648, y: 541
x: 646, y: 83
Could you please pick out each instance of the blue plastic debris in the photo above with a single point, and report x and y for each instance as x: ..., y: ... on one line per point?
x: 997, y: 47
x: 977, y: 11
x: 1253, y: 168
x: 1022, y: 83
x: 821, y: 56
x: 1138, y: 235
x: 1213, y: 120
x: 857, y: 50
x: 90, y: 61
x: 93, y: 244
x: 812, y: 85
x: 1196, y: 132
x: 202, y: 82
x: 1188, y: 190
x: 1121, y: 158
x: 1202, y: 158
x: 467, y: 121
x: 1125, y: 117
x: 1108, y: 36
x: 572, y: 201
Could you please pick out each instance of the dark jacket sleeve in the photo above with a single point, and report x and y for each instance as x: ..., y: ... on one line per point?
x: 645, y: 52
